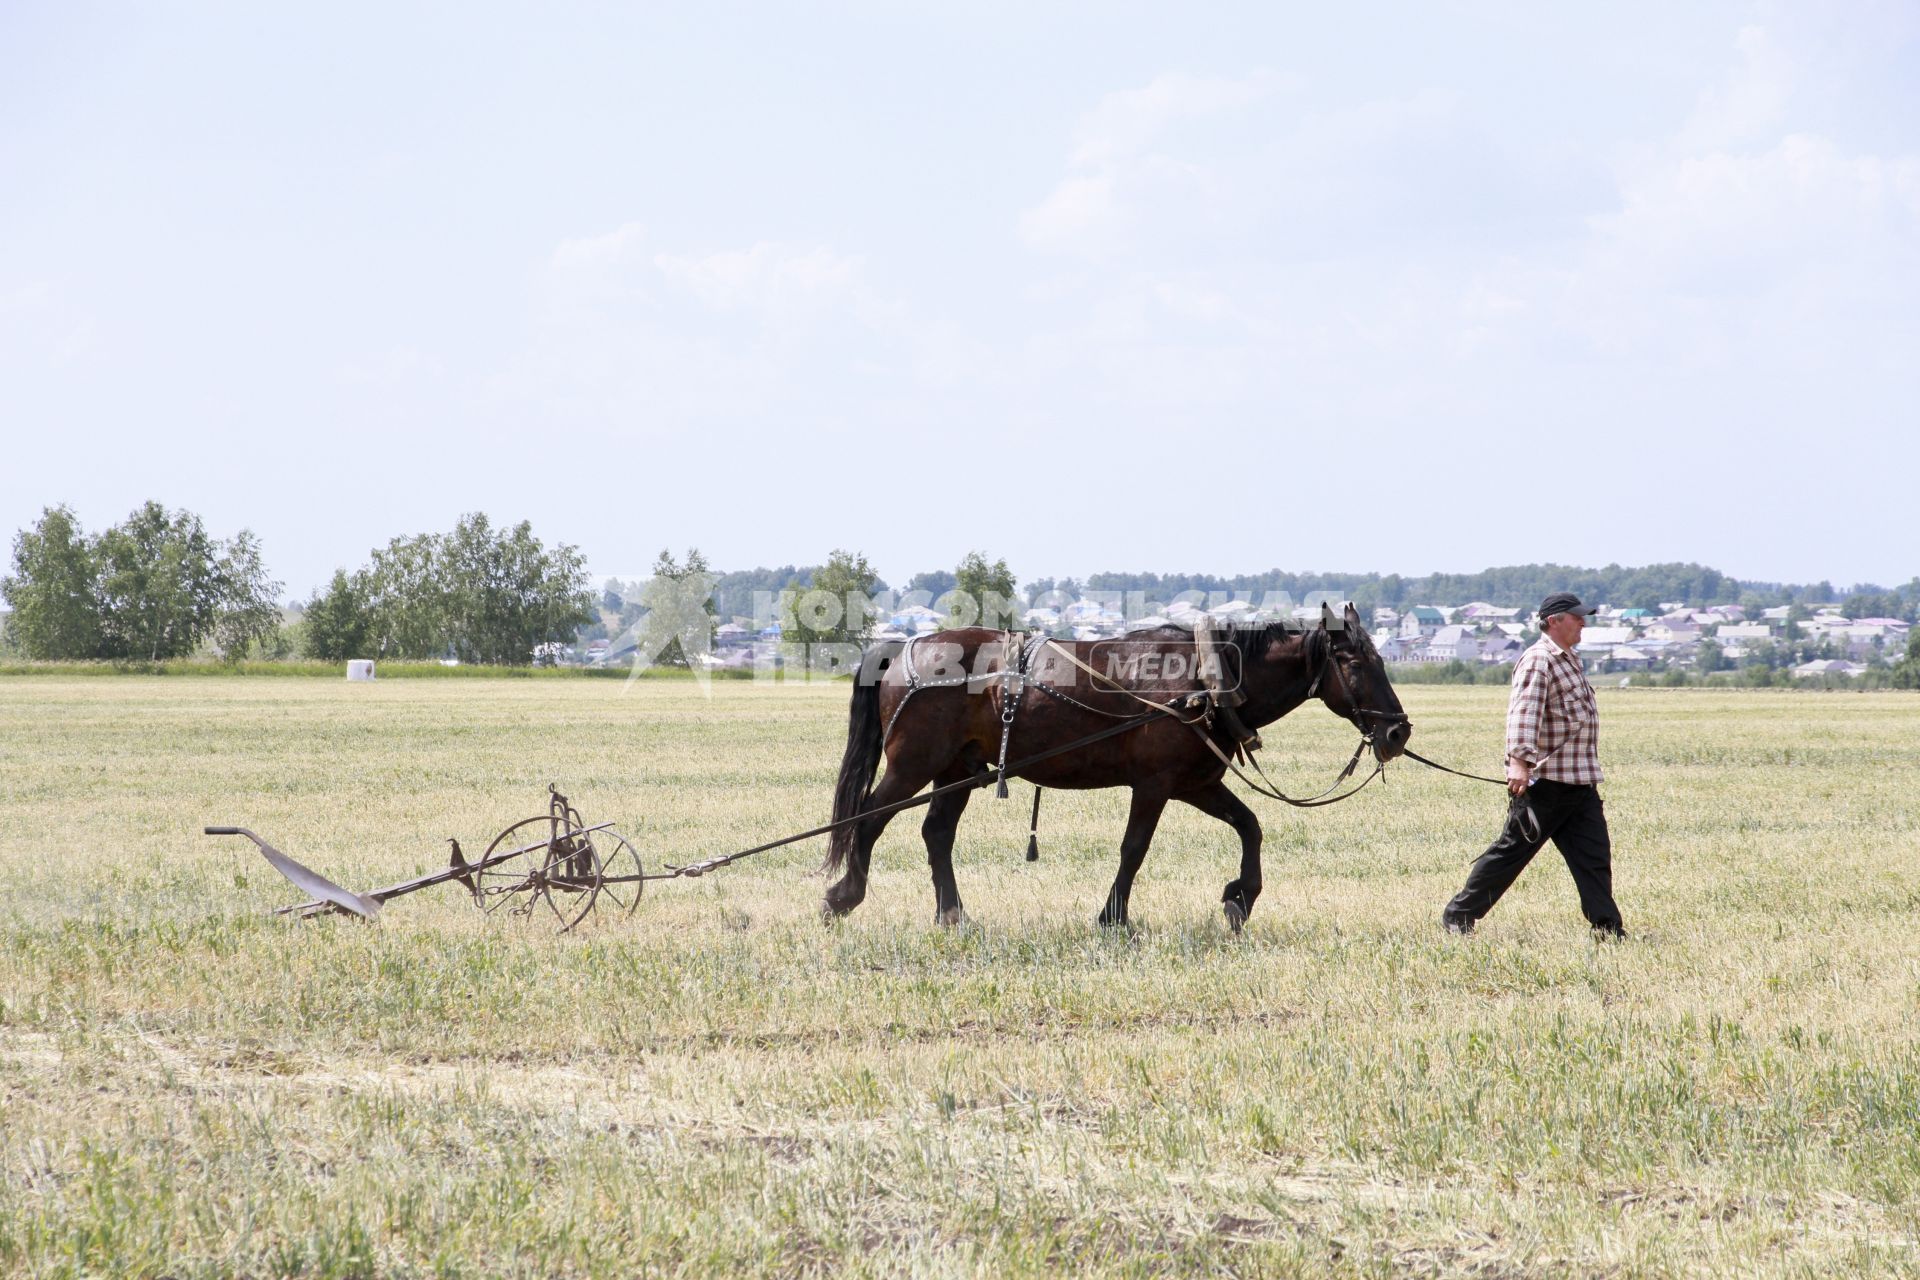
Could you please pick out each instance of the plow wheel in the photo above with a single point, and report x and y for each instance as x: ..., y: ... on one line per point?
x: 564, y: 873
x: 620, y: 872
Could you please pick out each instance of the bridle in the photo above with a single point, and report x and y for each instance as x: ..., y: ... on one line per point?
x: 1356, y: 713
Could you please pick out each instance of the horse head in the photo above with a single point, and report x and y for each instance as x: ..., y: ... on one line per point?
x: 1352, y: 681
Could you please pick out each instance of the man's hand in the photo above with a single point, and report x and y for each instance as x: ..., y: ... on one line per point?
x: 1517, y: 776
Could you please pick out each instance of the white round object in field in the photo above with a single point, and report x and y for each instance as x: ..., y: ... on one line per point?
x: 360, y: 669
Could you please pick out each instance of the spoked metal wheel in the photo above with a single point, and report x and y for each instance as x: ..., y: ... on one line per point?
x: 561, y: 870
x: 620, y: 872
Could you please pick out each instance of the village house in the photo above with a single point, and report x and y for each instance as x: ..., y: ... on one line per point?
x: 1624, y: 657
x: 1421, y: 621
x: 1501, y: 648
x: 1476, y: 632
x: 1864, y: 640
x: 1743, y: 633
x: 1597, y: 642
x: 1390, y: 645
x: 1452, y: 643
x: 1657, y: 650
x: 1826, y: 667
x: 1674, y: 632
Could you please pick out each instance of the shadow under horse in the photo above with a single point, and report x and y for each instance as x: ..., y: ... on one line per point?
x: 938, y: 708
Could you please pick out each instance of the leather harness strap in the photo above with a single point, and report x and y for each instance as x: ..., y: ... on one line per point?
x: 1265, y: 785
x: 1017, y: 674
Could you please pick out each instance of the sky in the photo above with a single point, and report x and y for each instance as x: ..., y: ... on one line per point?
x: 1393, y: 288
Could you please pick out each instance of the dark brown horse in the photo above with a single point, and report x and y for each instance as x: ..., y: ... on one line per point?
x: 938, y: 708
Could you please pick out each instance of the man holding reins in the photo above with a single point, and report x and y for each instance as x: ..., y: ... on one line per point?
x: 1553, y: 779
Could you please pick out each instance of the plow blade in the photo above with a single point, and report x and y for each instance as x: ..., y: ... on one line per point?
x: 307, y: 880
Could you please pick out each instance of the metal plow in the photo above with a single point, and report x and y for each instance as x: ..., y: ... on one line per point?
x: 553, y: 862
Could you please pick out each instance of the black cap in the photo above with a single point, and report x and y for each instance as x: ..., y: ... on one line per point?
x: 1563, y: 602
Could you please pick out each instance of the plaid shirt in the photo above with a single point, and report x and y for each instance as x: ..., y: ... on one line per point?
x: 1553, y: 722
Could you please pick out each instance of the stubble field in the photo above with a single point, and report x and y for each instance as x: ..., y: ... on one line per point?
x: 721, y: 1085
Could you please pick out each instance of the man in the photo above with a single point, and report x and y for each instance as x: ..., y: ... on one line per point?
x: 1553, y: 777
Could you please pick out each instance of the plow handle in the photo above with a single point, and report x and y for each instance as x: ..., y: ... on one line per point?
x: 225, y: 831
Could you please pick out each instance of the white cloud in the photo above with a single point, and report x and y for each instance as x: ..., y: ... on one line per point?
x: 1740, y: 236
x: 627, y: 331
x: 1752, y: 100
x: 779, y: 284
x: 1080, y: 215
x: 1132, y: 121
x: 1121, y: 160
x: 768, y: 277
x: 624, y: 245
x: 1385, y: 263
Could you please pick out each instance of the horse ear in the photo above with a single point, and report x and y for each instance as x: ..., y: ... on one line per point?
x: 1329, y: 621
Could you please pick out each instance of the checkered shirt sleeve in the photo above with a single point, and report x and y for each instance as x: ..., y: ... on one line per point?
x: 1553, y: 722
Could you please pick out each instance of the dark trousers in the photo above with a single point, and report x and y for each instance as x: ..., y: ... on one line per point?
x: 1574, y: 819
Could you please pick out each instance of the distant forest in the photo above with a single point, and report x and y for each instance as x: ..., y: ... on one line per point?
x: 1643, y: 587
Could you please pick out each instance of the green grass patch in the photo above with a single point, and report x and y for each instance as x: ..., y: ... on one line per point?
x: 718, y: 1085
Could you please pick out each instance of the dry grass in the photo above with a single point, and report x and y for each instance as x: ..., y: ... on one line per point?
x: 721, y: 1085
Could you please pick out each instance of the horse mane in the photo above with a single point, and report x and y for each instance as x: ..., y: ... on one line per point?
x: 1247, y: 634
x: 1319, y: 638
x: 1255, y: 636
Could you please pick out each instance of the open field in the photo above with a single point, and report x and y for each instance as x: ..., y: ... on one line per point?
x: 720, y: 1085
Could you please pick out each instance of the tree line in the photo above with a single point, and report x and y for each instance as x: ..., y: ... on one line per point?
x: 154, y: 587
x: 1768, y: 666
x: 825, y: 604
x: 1644, y: 587
x: 158, y: 587
x: 478, y: 594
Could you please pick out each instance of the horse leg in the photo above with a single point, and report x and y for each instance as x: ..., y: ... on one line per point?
x: 895, y: 785
x: 943, y: 819
x: 1142, y: 818
x: 1216, y: 801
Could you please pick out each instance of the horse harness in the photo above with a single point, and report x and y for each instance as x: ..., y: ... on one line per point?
x: 1017, y: 675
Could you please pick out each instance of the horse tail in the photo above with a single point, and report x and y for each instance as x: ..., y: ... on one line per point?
x: 864, y: 740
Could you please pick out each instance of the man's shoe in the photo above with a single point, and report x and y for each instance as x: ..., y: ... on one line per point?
x: 1461, y: 925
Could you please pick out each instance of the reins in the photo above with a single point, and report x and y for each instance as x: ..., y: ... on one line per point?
x: 1528, y: 819
x: 1411, y: 754
x: 1259, y: 783
x: 1151, y: 712
x: 1264, y: 786
x: 911, y: 802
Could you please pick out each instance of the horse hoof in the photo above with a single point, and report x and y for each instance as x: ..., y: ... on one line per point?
x: 1236, y: 915
x: 951, y: 918
x: 830, y: 914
